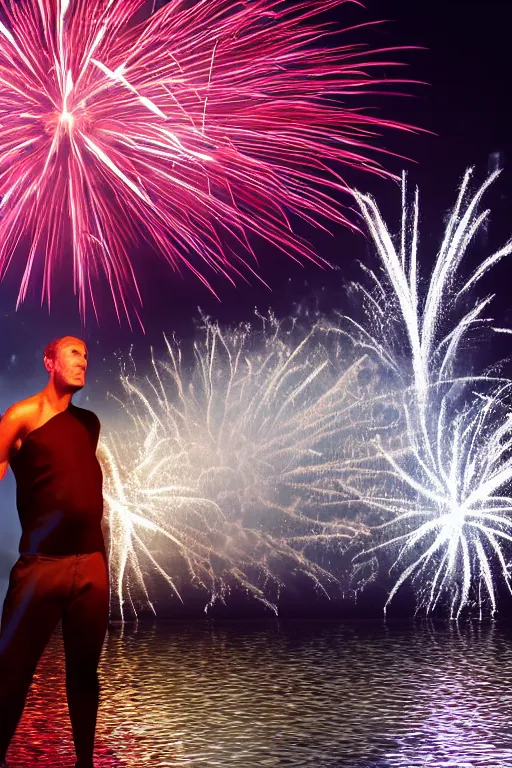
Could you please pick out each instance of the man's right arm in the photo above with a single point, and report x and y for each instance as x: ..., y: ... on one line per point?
x: 10, y: 428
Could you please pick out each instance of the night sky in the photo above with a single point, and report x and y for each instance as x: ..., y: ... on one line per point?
x: 466, y: 62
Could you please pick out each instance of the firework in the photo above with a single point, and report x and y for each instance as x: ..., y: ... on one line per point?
x: 231, y: 472
x: 191, y: 128
x: 272, y: 450
x: 445, y: 510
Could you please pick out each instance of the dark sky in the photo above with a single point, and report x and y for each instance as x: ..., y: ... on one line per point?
x: 467, y: 64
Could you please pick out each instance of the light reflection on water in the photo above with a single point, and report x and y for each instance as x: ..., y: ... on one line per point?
x: 325, y: 696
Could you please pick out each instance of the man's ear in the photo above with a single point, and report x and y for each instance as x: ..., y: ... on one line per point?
x: 48, y: 364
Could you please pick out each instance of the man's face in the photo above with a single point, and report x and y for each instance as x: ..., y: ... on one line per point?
x: 70, y: 364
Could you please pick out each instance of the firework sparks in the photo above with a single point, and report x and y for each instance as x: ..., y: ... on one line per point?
x: 191, y: 128
x: 234, y: 471
x: 447, y: 514
x: 247, y: 467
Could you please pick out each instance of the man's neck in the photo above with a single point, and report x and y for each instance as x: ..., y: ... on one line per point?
x: 56, y: 399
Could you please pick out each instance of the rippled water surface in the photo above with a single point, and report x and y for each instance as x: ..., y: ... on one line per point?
x: 336, y: 696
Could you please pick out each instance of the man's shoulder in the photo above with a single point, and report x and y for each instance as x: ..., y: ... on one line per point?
x: 24, y: 409
x: 84, y: 413
x: 86, y: 416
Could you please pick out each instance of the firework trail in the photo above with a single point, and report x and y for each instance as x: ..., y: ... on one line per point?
x: 190, y: 128
x: 232, y: 471
x: 443, y: 500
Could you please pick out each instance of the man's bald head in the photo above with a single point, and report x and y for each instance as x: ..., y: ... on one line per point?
x: 51, y: 349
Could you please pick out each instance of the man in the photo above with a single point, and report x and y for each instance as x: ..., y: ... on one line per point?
x: 61, y: 573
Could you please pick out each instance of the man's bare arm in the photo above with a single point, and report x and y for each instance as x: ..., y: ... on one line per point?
x: 10, y: 427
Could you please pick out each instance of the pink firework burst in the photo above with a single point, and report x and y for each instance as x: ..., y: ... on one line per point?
x: 193, y: 127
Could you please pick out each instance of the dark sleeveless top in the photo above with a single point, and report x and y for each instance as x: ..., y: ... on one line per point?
x: 59, y: 486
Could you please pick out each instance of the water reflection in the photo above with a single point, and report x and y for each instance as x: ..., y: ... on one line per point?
x: 328, y: 697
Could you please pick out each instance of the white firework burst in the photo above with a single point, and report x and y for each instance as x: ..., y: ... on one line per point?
x: 232, y: 470
x: 446, y: 511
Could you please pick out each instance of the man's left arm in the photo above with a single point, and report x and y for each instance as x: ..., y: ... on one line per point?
x: 97, y: 430
x: 102, y: 458
x: 94, y: 428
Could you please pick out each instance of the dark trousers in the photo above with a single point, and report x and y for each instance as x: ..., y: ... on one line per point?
x: 43, y: 590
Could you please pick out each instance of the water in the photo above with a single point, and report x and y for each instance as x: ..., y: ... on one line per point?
x: 336, y: 696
